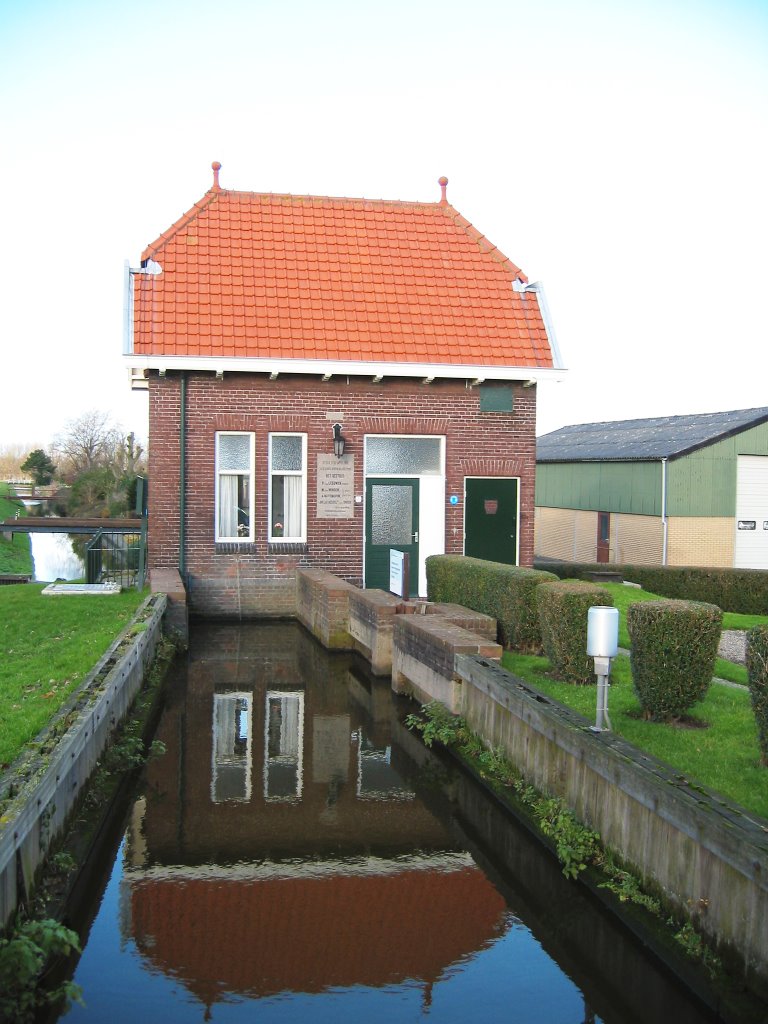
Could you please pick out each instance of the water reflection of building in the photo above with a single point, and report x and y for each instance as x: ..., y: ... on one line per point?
x: 274, y: 848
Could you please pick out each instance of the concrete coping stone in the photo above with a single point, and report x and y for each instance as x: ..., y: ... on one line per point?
x: 448, y: 632
x: 60, y: 589
x: 377, y: 597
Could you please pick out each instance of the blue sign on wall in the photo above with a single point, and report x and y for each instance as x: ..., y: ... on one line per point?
x: 454, y: 499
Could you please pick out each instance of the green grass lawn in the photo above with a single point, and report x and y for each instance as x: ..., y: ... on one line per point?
x: 47, y: 647
x: 723, y: 757
x: 15, y: 554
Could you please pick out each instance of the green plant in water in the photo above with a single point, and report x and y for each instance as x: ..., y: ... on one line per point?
x: 23, y: 958
x: 696, y: 947
x: 62, y: 863
x: 624, y: 885
x: 576, y: 845
x: 437, y: 725
x: 125, y: 754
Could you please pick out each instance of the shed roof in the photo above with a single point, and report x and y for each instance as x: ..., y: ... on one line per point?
x: 253, y: 276
x: 661, y: 437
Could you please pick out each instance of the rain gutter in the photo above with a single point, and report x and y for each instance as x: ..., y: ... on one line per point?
x: 183, y: 475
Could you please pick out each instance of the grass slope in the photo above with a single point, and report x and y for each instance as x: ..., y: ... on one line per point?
x: 47, y: 647
x: 15, y: 554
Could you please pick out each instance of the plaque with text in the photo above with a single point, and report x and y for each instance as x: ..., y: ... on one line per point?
x: 335, y: 487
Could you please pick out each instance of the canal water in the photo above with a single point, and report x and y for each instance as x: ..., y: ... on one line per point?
x: 296, y: 855
x: 54, y: 558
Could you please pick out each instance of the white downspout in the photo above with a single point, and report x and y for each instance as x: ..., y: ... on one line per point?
x: 127, y: 310
x: 150, y: 268
x: 664, y: 522
x: 538, y: 289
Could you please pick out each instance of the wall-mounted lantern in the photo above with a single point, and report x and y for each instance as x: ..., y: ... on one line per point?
x: 338, y: 441
x: 602, y: 645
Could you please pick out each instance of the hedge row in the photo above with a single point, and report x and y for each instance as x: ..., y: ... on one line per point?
x: 506, y: 592
x: 673, y: 652
x: 563, y: 613
x: 734, y: 590
x: 757, y: 671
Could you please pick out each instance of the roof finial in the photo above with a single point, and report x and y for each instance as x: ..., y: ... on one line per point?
x: 216, y: 168
x: 443, y: 183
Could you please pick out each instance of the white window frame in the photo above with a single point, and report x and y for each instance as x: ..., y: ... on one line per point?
x: 283, y: 538
x: 224, y: 759
x: 248, y: 537
x: 293, y: 757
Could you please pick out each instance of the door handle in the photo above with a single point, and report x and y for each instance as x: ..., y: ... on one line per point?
x: 416, y: 537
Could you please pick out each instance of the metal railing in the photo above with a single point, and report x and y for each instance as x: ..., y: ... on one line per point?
x: 117, y: 558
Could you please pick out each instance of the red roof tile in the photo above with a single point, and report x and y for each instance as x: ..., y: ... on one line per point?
x: 310, y: 278
x: 259, y: 938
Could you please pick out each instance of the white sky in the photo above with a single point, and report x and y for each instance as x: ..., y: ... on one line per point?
x: 617, y: 152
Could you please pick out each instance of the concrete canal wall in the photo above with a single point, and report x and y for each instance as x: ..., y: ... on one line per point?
x: 703, y: 853
x: 38, y: 792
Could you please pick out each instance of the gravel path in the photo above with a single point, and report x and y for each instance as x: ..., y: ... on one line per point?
x: 733, y: 645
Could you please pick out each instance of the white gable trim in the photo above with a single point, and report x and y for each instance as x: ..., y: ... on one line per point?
x: 330, y: 368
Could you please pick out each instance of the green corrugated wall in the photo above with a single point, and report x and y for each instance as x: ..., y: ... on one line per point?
x: 700, y: 484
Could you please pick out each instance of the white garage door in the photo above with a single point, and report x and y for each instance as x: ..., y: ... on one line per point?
x: 752, y: 512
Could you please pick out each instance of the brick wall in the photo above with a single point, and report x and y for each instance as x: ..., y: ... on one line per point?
x: 253, y: 579
x: 566, y: 533
x: 571, y: 534
x: 700, y: 540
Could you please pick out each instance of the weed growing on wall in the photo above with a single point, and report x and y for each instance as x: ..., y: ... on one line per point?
x: 576, y: 846
x: 24, y: 954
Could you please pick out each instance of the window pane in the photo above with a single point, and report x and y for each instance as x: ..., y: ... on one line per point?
x: 391, y: 507
x: 234, y: 452
x: 234, y: 505
x: 287, y: 506
x: 286, y: 453
x: 418, y: 455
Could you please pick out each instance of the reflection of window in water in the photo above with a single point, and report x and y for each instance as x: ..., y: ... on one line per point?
x: 376, y: 778
x: 283, y: 746
x: 231, y: 774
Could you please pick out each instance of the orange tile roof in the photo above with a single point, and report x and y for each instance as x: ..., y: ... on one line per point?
x: 254, y: 275
x: 259, y: 938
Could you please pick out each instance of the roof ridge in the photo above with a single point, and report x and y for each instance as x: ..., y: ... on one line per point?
x: 484, y: 243
x: 152, y: 248
x: 311, y: 197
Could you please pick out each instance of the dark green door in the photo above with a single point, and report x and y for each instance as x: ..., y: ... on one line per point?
x: 391, y: 521
x: 490, y: 519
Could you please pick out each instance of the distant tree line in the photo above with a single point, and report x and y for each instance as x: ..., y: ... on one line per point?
x: 93, y: 462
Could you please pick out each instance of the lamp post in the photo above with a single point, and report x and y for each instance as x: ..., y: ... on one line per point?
x: 602, y: 645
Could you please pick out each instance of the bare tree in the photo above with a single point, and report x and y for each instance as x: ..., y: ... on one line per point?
x: 87, y: 443
x: 11, y: 458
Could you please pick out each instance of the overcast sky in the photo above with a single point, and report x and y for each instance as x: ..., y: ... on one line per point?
x: 615, y: 151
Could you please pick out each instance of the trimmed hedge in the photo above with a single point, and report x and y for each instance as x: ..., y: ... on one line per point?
x: 734, y: 590
x: 757, y: 671
x: 506, y: 592
x: 563, y: 611
x: 674, y: 647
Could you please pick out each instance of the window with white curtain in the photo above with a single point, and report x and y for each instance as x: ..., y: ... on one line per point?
x: 234, y: 486
x: 288, y: 487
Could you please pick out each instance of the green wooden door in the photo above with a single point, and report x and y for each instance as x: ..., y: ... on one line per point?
x: 391, y: 521
x: 490, y: 518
